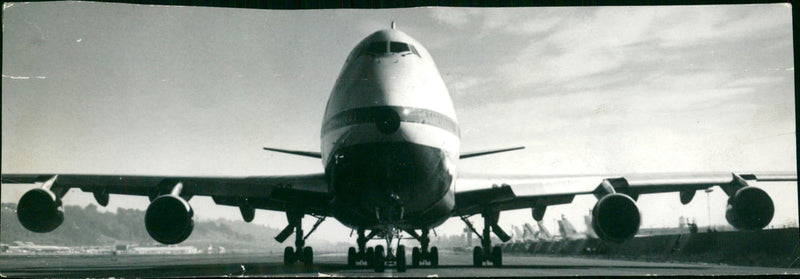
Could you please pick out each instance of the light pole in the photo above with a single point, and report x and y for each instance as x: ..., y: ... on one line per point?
x: 468, y: 234
x: 708, y: 204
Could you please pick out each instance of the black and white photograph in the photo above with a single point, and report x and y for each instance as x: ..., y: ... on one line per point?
x: 185, y: 141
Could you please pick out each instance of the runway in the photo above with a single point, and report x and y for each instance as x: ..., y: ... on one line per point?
x: 245, y: 265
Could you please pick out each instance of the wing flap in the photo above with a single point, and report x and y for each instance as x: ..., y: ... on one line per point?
x: 25, y: 178
x: 503, y: 198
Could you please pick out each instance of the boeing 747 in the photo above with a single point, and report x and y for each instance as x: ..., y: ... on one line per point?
x: 390, y: 143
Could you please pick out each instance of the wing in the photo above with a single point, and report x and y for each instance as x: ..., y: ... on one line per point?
x: 749, y: 207
x: 269, y: 192
x: 168, y: 218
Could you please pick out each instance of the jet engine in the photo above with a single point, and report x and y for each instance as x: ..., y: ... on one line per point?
x: 750, y: 208
x: 169, y: 219
x: 616, y: 218
x: 39, y: 210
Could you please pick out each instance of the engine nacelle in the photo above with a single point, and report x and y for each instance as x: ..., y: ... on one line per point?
x: 616, y: 218
x: 39, y: 210
x: 169, y: 219
x: 750, y: 208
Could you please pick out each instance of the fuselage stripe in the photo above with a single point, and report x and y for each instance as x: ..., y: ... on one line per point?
x: 406, y: 114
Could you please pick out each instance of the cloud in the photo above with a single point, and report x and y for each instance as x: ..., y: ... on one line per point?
x: 453, y: 16
x: 464, y: 85
x: 16, y: 77
x: 732, y: 24
x: 678, y: 48
x: 520, y: 21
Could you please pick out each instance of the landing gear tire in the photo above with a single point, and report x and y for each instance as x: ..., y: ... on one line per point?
x: 415, y: 257
x: 288, y: 256
x: 380, y: 259
x: 351, y: 257
x: 370, y: 257
x: 434, y: 256
x: 308, y: 256
x: 497, y: 256
x: 477, y: 256
x: 400, y: 258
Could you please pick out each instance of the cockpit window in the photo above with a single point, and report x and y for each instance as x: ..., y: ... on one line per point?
x: 397, y: 47
x: 414, y: 50
x: 376, y: 47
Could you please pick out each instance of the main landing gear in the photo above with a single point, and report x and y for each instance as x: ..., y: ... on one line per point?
x: 422, y: 254
x: 485, y: 252
x: 299, y: 253
x: 378, y: 258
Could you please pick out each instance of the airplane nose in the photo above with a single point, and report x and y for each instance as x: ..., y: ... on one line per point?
x: 387, y: 121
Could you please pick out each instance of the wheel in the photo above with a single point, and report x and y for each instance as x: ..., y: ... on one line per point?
x: 288, y: 256
x: 497, y: 256
x: 434, y: 256
x: 400, y: 258
x: 380, y: 259
x: 370, y: 259
x: 477, y: 256
x: 308, y: 256
x: 415, y: 257
x: 351, y: 257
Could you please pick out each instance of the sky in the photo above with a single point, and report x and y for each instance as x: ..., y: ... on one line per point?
x: 100, y: 88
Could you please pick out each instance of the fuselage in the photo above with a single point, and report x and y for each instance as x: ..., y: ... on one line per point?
x: 390, y: 138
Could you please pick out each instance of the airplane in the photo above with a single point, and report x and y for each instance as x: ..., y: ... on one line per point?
x: 543, y: 231
x: 389, y: 145
x: 518, y: 235
x: 566, y: 229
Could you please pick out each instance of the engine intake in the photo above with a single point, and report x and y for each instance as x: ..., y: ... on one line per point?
x: 169, y: 219
x: 616, y: 218
x: 39, y: 210
x: 750, y: 208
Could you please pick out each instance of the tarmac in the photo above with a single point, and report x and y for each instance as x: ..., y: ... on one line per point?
x: 259, y: 265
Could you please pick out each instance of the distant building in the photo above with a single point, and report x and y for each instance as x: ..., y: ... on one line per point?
x: 165, y: 250
x: 215, y: 250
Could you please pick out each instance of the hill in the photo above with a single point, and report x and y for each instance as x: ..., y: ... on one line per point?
x: 89, y: 227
